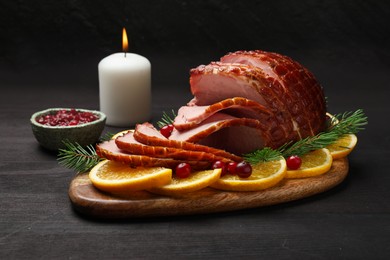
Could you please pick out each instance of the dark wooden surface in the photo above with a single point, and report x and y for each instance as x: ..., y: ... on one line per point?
x: 37, y: 220
x: 48, y: 58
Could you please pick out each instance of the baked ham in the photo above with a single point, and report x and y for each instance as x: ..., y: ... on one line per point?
x: 110, y: 151
x: 221, y: 130
x: 128, y: 143
x: 147, y: 134
x: 190, y: 116
x: 126, y: 149
x: 246, y: 101
x: 282, y: 86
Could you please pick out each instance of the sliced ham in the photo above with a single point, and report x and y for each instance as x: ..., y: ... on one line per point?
x: 110, y: 151
x: 238, y: 135
x: 128, y: 143
x: 281, y: 85
x: 190, y: 116
x: 147, y: 134
x: 240, y: 80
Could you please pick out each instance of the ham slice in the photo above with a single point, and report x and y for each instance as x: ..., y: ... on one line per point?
x: 147, y: 134
x: 110, y: 151
x: 239, y: 135
x: 128, y: 143
x: 190, y: 116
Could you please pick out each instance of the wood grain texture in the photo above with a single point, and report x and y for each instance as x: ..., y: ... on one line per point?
x: 349, y: 221
x: 88, y: 200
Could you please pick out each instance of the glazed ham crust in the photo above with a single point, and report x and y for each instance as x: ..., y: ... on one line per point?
x: 283, y: 86
x: 298, y: 83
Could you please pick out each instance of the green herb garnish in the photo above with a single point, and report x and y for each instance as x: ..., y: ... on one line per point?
x: 166, y: 119
x: 107, y: 136
x: 78, y: 158
x: 346, y: 123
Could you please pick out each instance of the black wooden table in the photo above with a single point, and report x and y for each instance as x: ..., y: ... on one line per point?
x: 37, y: 220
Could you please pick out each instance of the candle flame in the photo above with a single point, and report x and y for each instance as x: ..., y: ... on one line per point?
x: 125, y: 43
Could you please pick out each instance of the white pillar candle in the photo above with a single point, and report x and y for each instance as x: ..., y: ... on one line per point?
x: 125, y: 89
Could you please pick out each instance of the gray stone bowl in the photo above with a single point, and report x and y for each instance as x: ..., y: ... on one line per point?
x: 52, y: 137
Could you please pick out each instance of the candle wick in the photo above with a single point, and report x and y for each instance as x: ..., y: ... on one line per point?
x: 125, y: 54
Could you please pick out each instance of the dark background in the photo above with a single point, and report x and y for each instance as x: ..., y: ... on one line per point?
x: 49, y: 52
x: 48, y: 37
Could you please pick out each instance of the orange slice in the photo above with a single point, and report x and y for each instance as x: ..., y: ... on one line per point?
x: 196, y: 181
x: 313, y: 163
x: 120, y: 178
x: 343, y: 146
x: 264, y: 175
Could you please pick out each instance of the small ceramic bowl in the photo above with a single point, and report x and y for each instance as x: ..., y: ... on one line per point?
x: 52, y: 137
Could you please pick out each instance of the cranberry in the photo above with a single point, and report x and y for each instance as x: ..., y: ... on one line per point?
x: 67, y: 118
x: 73, y: 122
x: 167, y: 130
x: 244, y: 169
x: 293, y: 162
x: 232, y: 168
x: 53, y: 122
x: 220, y: 165
x: 183, y: 170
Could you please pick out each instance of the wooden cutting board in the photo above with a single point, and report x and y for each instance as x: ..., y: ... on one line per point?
x: 87, y: 200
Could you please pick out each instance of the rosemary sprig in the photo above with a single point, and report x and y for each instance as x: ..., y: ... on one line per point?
x: 107, y: 136
x: 263, y: 155
x: 346, y: 123
x: 166, y: 119
x: 308, y: 144
x: 78, y: 158
x: 349, y: 122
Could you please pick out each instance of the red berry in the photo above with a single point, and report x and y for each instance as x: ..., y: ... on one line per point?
x: 244, y: 169
x: 220, y: 165
x: 73, y: 122
x: 166, y: 130
x: 183, y: 170
x: 293, y: 162
x: 232, y: 168
x: 67, y: 118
